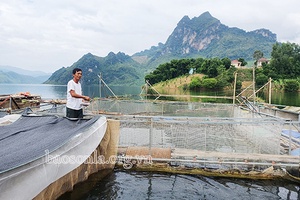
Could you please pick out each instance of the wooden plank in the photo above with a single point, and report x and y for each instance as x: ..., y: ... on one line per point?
x: 185, y: 153
x: 16, y: 104
x: 145, y: 151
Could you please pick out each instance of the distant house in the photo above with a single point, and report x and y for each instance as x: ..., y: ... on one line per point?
x: 261, y: 61
x: 236, y: 63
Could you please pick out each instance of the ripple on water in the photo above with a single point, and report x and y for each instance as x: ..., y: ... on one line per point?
x: 147, y: 185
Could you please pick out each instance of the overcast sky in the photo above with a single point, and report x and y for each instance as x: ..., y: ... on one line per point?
x: 46, y: 35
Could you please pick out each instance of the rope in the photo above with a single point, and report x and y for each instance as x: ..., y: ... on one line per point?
x: 5, y: 100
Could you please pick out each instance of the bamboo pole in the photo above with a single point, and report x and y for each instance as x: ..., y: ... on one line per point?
x: 253, y: 84
x: 270, y: 89
x: 234, y: 87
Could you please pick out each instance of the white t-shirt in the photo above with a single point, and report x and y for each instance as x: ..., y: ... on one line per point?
x: 72, y: 102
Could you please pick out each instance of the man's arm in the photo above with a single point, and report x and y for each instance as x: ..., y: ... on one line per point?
x: 75, y: 95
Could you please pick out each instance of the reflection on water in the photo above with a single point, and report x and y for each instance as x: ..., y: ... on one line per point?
x: 283, y: 98
x: 133, y: 92
x: 45, y: 91
x: 148, y: 185
x: 59, y: 91
x: 127, y: 91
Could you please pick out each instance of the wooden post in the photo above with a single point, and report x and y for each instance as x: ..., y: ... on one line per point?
x: 270, y: 89
x: 253, y: 85
x: 234, y: 87
x: 100, y: 80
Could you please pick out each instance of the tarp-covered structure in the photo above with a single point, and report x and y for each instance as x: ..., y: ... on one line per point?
x: 28, y: 143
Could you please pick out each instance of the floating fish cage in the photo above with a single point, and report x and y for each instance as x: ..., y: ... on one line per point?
x: 189, y: 137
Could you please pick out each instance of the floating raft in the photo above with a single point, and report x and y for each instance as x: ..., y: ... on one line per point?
x: 19, y: 101
x: 187, y: 161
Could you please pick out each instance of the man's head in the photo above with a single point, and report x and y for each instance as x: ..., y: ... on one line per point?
x: 76, y: 70
x: 77, y: 73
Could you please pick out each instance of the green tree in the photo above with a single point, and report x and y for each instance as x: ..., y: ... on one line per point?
x: 195, y: 83
x: 211, y: 67
x: 285, y: 60
x: 257, y: 55
x: 243, y: 61
x: 170, y: 70
x: 209, y: 83
x: 261, y: 79
x: 291, y: 85
x: 226, y: 62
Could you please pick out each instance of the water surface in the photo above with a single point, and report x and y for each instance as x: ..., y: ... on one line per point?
x: 123, y: 184
x: 133, y: 92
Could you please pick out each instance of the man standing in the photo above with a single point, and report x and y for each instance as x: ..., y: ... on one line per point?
x: 74, y: 96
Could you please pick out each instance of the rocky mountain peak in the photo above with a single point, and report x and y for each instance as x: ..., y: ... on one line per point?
x: 193, y: 35
x: 265, y: 33
x: 206, y: 36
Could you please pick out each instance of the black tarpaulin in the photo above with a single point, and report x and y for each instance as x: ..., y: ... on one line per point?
x: 28, y: 138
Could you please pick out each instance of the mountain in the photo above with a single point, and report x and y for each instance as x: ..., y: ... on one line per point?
x: 116, y: 69
x: 207, y: 36
x: 11, y: 74
x: 203, y: 36
x: 12, y: 77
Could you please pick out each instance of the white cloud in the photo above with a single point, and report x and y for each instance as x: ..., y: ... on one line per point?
x: 46, y: 35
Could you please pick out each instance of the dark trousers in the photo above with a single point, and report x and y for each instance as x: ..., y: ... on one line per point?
x: 70, y: 113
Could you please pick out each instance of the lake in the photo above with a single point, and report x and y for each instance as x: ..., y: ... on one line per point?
x: 59, y: 91
x: 133, y: 92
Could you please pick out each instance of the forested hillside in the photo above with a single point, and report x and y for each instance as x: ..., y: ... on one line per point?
x: 116, y: 69
x: 12, y: 77
x: 284, y: 69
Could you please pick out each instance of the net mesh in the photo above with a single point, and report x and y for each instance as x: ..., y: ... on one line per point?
x: 163, y: 108
x: 190, y: 125
x: 221, y: 135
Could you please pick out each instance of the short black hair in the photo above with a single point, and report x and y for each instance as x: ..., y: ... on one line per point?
x: 76, y: 70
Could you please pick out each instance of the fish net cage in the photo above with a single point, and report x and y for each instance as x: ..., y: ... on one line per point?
x: 192, y: 125
x: 161, y: 108
x: 205, y: 134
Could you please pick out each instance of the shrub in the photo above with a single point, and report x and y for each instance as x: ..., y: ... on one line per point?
x: 291, y: 85
x: 261, y: 79
x: 209, y: 83
x: 195, y: 83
